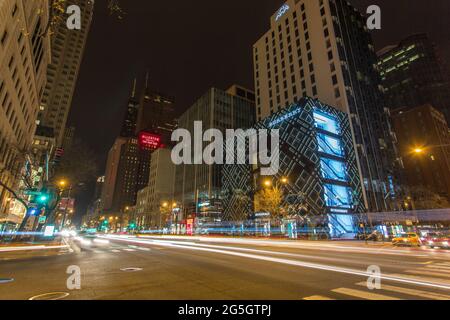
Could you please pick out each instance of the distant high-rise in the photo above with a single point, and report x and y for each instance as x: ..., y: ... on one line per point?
x: 119, y: 190
x: 323, y: 49
x: 67, y: 53
x: 24, y: 57
x: 424, y: 128
x: 413, y: 74
x: 156, y: 114
x: 130, y: 119
x: 202, y: 184
x: 155, y: 202
x: 129, y: 160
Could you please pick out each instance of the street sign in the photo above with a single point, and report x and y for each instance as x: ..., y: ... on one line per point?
x: 42, y: 219
x: 49, y: 231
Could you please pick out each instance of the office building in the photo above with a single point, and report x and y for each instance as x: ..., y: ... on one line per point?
x: 323, y: 49
x: 156, y: 201
x: 318, y: 161
x: 423, y: 140
x: 198, y: 187
x: 413, y: 74
x: 67, y: 47
x: 24, y: 57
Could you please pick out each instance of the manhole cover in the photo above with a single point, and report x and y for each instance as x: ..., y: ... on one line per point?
x: 51, y: 296
x: 8, y: 280
x: 131, y: 269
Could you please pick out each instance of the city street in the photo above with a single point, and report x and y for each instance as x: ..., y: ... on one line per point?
x: 225, y: 268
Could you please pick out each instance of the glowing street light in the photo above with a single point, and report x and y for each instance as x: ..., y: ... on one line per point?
x: 268, y: 183
x: 62, y: 183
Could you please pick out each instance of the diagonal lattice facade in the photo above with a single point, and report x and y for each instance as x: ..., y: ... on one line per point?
x: 319, y: 162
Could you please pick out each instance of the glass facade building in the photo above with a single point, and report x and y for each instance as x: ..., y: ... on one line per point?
x: 318, y: 159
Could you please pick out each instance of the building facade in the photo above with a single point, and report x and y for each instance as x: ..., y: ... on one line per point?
x: 413, y: 74
x: 323, y: 49
x: 24, y: 57
x: 67, y: 48
x: 156, y: 201
x: 198, y: 187
x: 318, y: 161
x: 425, y: 130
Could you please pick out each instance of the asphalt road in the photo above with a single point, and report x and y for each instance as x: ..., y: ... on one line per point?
x: 204, y: 268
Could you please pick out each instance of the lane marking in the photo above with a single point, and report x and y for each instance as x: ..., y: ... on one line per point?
x: 51, y: 296
x: 429, y: 273
x: 115, y: 251
x: 444, y: 269
x: 132, y: 269
x: 144, y: 249
x: 363, y: 294
x: 129, y: 250
x: 411, y: 292
x: 318, y: 298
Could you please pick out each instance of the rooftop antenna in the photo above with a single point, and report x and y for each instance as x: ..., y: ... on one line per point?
x: 146, y: 80
x: 133, y: 93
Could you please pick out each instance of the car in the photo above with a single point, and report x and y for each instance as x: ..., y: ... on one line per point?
x: 407, y: 239
x: 440, y: 241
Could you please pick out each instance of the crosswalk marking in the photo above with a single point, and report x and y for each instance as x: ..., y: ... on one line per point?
x: 428, y: 273
x: 363, y: 294
x: 115, y: 251
x: 317, y: 298
x: 412, y: 292
x: 144, y: 249
x: 129, y: 250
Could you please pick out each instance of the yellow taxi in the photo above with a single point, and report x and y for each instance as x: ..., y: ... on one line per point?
x: 407, y: 239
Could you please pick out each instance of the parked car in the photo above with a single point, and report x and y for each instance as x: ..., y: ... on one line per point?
x: 407, y: 239
x: 440, y: 241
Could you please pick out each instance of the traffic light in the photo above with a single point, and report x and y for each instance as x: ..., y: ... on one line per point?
x: 43, y: 199
x: 32, y: 211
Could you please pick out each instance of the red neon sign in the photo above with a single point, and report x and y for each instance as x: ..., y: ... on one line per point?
x: 149, y: 141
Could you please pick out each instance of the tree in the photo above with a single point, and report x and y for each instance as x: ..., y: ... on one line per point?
x: 270, y: 200
x: 78, y: 164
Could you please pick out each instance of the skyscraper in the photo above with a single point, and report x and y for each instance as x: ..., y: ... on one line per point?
x: 201, y: 185
x: 413, y: 74
x: 147, y: 126
x: 323, y: 49
x: 131, y: 114
x: 24, y: 56
x: 67, y: 53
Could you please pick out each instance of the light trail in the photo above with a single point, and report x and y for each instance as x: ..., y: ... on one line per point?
x: 321, y: 247
x: 288, y: 262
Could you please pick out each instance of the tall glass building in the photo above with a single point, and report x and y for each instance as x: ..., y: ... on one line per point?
x: 198, y: 187
x: 317, y: 157
x: 322, y: 49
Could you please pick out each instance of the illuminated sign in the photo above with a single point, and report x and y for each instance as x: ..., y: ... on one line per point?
x: 149, y: 141
x: 282, y: 11
x: 285, y: 117
x: 49, y: 231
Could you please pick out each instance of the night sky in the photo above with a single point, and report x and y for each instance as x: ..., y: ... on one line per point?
x: 190, y: 46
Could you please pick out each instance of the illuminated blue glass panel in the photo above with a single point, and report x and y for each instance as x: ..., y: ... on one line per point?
x: 326, y: 122
x: 333, y: 170
x: 329, y: 145
x: 337, y: 196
